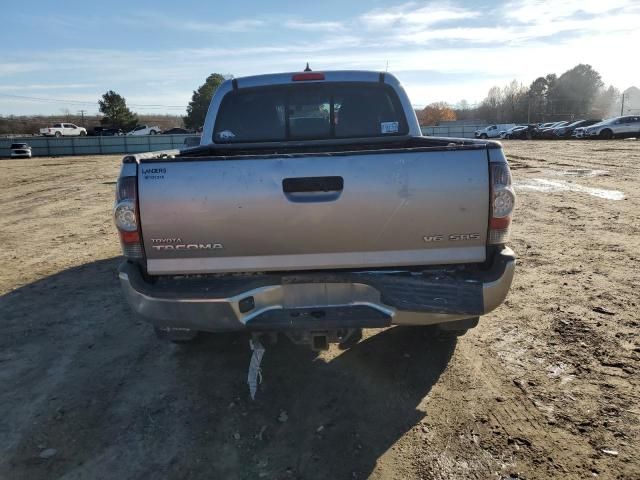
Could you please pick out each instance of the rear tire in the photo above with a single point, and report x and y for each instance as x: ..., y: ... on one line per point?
x: 483, y: 136
x: 176, y: 335
x: 58, y: 134
x: 152, y: 132
x: 606, y: 134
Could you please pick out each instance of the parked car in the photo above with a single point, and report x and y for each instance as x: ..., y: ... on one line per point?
x: 514, y: 132
x: 528, y: 133
x: 177, y: 131
x: 493, y: 131
x: 63, y: 130
x: 547, y: 132
x: 579, y: 132
x: 254, y: 229
x: 145, y: 130
x: 566, y: 131
x: 107, y: 132
x: 617, y: 127
x: 536, y: 129
x: 20, y: 150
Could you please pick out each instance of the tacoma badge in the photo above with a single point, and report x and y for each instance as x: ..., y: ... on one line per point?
x: 189, y: 246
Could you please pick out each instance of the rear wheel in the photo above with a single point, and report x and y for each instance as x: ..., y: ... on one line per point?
x: 606, y: 134
x: 58, y: 134
x: 176, y: 335
x: 483, y: 136
x: 152, y: 132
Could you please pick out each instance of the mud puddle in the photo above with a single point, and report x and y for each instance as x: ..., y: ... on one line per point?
x: 545, y: 185
x: 581, y: 172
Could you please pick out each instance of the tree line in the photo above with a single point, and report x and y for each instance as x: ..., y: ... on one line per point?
x: 577, y: 93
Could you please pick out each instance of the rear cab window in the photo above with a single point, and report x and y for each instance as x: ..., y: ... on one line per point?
x: 332, y: 110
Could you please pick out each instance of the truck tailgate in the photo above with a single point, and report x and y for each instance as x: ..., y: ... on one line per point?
x: 325, y: 211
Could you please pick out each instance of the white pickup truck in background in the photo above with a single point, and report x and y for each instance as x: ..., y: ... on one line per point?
x: 493, y: 131
x: 63, y: 130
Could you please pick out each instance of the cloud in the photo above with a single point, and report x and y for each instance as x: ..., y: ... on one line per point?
x: 524, y: 21
x: 410, y: 16
x: 241, y: 25
x: 12, y: 68
x: 314, y: 26
x: 143, y: 20
x: 156, y: 20
x: 539, y: 11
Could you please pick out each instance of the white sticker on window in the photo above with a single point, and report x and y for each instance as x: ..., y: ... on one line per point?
x: 389, y: 127
x: 225, y: 135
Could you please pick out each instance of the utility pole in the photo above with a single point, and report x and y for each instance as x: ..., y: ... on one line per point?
x: 622, y: 107
x: 82, y: 112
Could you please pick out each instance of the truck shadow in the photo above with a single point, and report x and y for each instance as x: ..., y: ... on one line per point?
x: 84, y: 377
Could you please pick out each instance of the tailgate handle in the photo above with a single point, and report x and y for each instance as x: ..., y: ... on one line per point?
x: 312, y: 189
x: 312, y: 184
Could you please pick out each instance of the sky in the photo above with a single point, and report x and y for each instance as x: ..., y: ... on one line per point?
x: 64, y: 55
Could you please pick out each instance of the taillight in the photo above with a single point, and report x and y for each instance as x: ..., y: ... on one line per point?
x: 125, y: 215
x: 502, y: 202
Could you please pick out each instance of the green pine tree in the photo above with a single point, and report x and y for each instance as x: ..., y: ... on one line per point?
x: 115, y: 111
x: 199, y: 104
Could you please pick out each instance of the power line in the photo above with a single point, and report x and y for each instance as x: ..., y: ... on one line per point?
x: 23, y: 97
x: 81, y: 102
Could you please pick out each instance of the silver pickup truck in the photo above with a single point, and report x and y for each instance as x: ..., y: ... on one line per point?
x: 314, y: 206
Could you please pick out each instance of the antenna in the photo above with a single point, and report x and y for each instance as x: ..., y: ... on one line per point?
x: 307, y: 69
x: 386, y: 69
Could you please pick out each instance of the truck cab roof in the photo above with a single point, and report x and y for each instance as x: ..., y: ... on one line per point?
x: 300, y: 121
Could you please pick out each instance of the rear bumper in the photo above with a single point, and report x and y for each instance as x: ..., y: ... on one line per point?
x: 319, y: 300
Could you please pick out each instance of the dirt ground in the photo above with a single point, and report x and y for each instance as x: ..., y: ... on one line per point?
x: 545, y: 387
